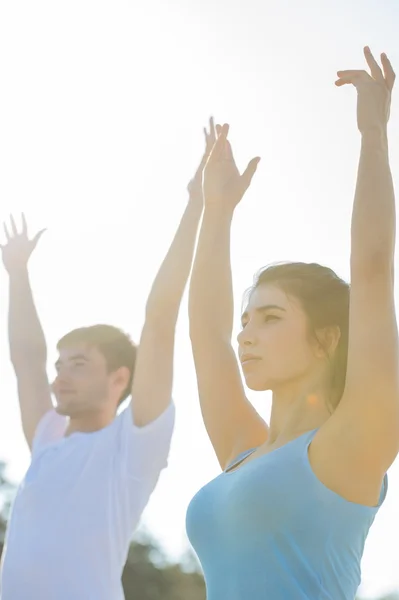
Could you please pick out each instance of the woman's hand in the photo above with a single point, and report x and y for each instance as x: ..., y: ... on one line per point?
x: 374, y: 92
x: 223, y: 186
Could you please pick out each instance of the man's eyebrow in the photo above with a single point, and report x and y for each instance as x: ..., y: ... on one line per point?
x: 262, y: 309
x: 74, y: 357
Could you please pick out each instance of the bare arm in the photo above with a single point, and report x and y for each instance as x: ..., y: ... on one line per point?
x: 369, y: 409
x: 153, y: 377
x: 28, y: 350
x: 232, y: 423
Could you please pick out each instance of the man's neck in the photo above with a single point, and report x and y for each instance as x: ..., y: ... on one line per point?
x: 89, y: 423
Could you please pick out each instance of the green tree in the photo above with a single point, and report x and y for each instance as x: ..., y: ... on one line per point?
x: 149, y: 576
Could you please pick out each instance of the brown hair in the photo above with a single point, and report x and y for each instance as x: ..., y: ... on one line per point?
x: 325, y: 299
x: 115, y: 345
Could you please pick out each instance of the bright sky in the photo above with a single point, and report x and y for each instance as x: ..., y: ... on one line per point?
x: 101, y: 116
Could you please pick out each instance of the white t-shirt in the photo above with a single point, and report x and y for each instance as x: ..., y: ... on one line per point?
x: 74, y: 514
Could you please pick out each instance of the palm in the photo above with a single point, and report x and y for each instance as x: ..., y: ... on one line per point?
x: 223, y: 184
x: 374, y: 91
x: 18, y: 247
x: 195, y: 185
x: 222, y: 180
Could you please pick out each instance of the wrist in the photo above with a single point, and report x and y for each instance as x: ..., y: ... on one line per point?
x: 375, y: 135
x: 19, y: 273
x: 196, y: 199
x: 375, y: 143
x: 194, y: 208
x: 219, y: 212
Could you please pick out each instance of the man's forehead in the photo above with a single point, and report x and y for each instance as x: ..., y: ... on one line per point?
x: 79, y: 350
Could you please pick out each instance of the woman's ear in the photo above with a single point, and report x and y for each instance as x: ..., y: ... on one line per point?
x: 328, y: 339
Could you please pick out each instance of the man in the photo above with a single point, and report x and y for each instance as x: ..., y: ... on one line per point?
x: 92, y: 471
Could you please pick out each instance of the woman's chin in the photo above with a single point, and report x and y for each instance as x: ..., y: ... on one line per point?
x: 256, y: 385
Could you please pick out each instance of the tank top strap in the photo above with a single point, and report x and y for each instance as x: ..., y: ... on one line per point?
x: 306, y: 441
x: 242, y: 456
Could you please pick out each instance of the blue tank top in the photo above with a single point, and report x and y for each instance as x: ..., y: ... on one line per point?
x: 270, y: 530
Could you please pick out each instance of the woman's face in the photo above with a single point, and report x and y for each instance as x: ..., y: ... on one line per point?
x: 275, y: 347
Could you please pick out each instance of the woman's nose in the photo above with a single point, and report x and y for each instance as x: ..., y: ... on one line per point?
x: 245, y: 337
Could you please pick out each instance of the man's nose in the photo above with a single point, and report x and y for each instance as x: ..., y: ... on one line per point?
x: 62, y: 376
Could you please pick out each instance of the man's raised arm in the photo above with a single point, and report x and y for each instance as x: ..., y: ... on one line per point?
x: 28, y: 350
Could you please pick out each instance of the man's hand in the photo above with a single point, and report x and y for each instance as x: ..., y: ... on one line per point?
x: 223, y: 185
x: 374, y: 92
x: 28, y: 351
x: 195, y: 186
x: 18, y: 247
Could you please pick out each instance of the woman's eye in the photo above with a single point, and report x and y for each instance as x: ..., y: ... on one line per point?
x: 269, y: 318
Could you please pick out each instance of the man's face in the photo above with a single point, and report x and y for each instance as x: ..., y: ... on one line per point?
x: 82, y: 384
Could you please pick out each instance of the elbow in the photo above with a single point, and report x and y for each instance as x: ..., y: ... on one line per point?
x: 199, y: 321
x: 28, y: 364
x: 27, y: 353
x: 199, y: 332
x: 194, y: 329
x: 372, y: 265
x: 208, y: 335
x: 196, y: 334
x: 162, y: 315
x: 28, y: 356
x: 197, y: 317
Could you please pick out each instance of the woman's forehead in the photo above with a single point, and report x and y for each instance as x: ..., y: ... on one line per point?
x: 267, y: 294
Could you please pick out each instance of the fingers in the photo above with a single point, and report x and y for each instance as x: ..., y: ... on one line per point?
x: 385, y: 75
x: 13, y: 232
x: 249, y: 172
x: 212, y: 133
x: 13, y: 226
x: 224, y: 132
x: 351, y: 77
x: 24, y: 225
x: 37, y: 237
x: 389, y: 73
x: 6, y: 232
x: 228, y: 151
x: 219, y: 149
x: 210, y: 139
x: 374, y: 67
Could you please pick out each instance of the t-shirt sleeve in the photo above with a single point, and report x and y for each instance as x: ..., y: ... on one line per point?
x: 144, y: 450
x: 51, y: 428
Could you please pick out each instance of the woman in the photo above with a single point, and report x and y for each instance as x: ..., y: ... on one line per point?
x: 288, y: 517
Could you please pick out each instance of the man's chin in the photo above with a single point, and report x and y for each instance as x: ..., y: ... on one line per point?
x: 63, y: 410
x: 66, y: 409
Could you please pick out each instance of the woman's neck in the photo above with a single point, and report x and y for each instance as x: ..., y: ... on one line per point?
x: 298, y: 407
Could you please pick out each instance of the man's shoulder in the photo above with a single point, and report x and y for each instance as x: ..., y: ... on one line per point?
x: 51, y: 428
